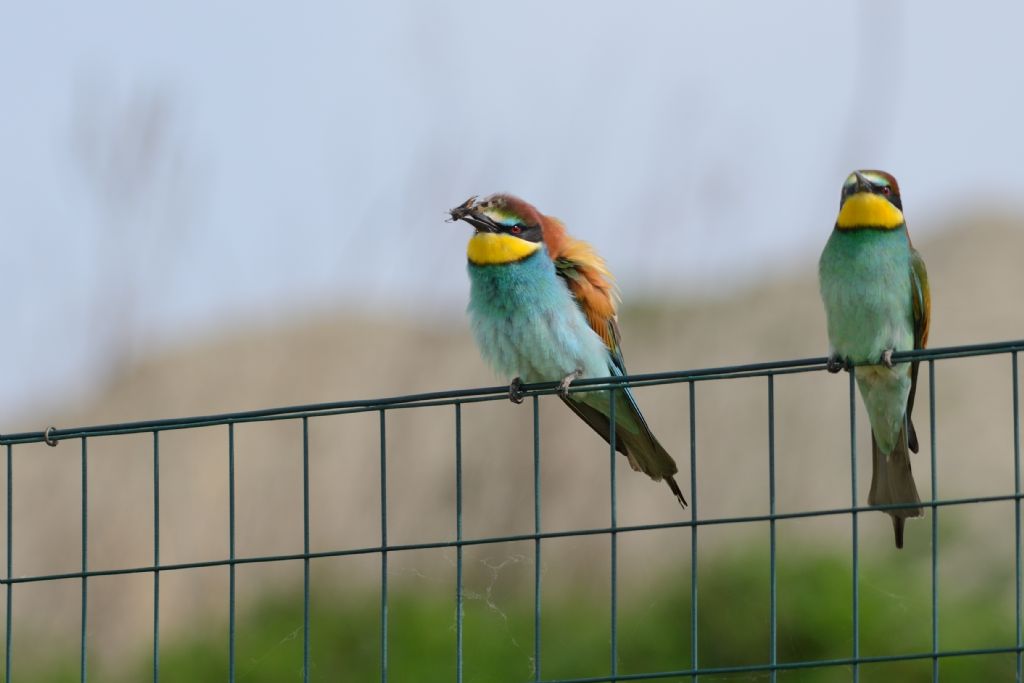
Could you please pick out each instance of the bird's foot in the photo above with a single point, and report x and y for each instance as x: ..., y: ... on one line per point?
x: 886, y: 358
x: 563, y: 386
x: 836, y: 363
x: 515, y: 390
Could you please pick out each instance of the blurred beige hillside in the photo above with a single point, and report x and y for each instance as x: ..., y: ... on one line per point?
x: 976, y: 280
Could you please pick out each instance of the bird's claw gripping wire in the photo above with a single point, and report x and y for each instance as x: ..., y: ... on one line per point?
x: 835, y: 364
x: 515, y: 390
x: 886, y: 359
x: 563, y: 386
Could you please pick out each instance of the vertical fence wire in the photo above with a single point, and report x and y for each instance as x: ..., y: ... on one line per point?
x: 1016, y: 503
x: 383, y: 548
x: 773, y: 598
x: 614, y: 538
x: 536, y: 540
x: 458, y: 547
x: 84, y: 658
x: 10, y: 562
x: 305, y: 550
x: 693, y: 531
x: 156, y: 557
x: 231, y: 552
x: 935, y: 523
x: 854, y: 530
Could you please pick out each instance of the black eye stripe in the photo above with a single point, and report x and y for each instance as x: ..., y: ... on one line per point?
x: 531, y: 233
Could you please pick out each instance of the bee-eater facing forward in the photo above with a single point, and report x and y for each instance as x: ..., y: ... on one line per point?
x: 542, y: 308
x: 875, y: 289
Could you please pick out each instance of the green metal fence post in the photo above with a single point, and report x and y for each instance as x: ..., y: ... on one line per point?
x: 1016, y: 504
x: 854, y: 531
x: 305, y: 550
x: 231, y: 552
x: 614, y: 538
x: 773, y: 598
x: 383, y: 548
x: 84, y: 657
x: 156, y: 556
x: 536, y: 540
x: 458, y: 539
x: 693, y: 532
x: 10, y: 562
x: 935, y: 522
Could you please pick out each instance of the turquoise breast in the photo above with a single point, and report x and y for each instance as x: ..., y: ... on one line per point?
x: 865, y: 286
x: 528, y: 324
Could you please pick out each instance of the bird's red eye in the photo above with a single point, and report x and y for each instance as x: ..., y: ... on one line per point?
x: 886, y: 190
x: 516, y: 229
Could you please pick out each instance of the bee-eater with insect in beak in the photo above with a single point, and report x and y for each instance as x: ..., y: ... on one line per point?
x: 875, y: 289
x: 543, y: 309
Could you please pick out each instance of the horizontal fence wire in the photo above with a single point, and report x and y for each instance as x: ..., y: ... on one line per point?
x: 492, y: 394
x: 614, y: 531
x: 511, y: 538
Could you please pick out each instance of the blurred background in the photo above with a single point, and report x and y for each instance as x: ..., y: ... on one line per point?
x: 212, y: 207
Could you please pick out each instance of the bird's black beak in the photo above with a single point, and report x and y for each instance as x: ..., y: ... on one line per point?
x: 863, y: 184
x: 467, y: 211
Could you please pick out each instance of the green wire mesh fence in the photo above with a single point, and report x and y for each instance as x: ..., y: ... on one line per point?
x: 770, y: 669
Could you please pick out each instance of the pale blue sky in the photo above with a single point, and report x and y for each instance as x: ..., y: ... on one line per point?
x: 311, y: 149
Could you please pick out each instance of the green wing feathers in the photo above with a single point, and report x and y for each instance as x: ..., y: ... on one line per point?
x: 922, y: 309
x: 588, y: 280
x: 922, y: 299
x: 633, y: 438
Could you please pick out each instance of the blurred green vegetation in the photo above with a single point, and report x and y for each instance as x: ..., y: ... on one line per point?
x: 814, y: 623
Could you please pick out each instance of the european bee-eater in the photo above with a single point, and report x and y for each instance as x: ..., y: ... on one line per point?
x: 543, y: 308
x: 875, y: 289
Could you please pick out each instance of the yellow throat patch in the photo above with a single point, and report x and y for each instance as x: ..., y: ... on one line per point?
x: 866, y: 210
x: 492, y: 248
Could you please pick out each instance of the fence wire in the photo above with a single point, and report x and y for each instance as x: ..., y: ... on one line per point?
x: 457, y: 399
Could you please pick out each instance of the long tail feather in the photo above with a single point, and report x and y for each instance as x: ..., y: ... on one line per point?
x: 671, y: 481
x: 892, y: 482
x: 633, y: 438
